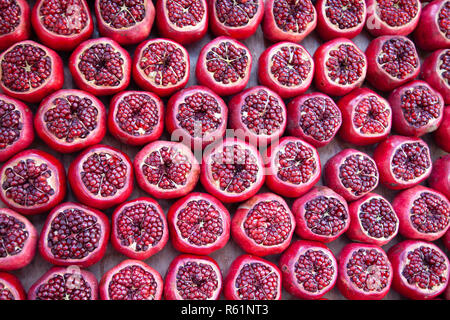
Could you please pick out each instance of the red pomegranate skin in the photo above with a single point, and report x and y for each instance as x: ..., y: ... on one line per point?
x: 434, y: 72
x: 440, y: 176
x: 446, y: 239
x: 428, y: 35
x: 21, y: 31
x: 11, y: 288
x: 442, y: 134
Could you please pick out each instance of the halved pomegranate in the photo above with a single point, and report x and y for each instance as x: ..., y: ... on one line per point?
x: 314, y: 117
x: 32, y: 182
x: 136, y: 117
x: 161, y: 66
x: 372, y: 220
x: 252, y: 278
x: 30, y: 71
x: 436, y: 71
x: 62, y: 24
x: 196, y: 116
x: 421, y: 269
x: 292, y: 167
x: 442, y: 134
x: 18, y: 239
x: 433, y: 31
x: 127, y: 22
x: 74, y: 235
x: 365, y: 272
x: 263, y: 225
x: 199, y: 224
x: 166, y: 169
x: 15, y: 23
x: 440, y: 176
x: 11, y: 288
x: 391, y: 62
x: 351, y: 173
x: 340, y: 67
x: 131, y: 280
x: 392, y: 17
x: 65, y: 283
x: 366, y: 117
x: 192, y: 277
x: 70, y: 120
x: 309, y: 269
x: 224, y: 66
x: 257, y: 115
x: 402, y: 162
x: 101, y: 176
x: 286, y: 68
x: 100, y: 66
x: 321, y: 215
x: 232, y: 170
x: 288, y: 20
x: 185, y: 21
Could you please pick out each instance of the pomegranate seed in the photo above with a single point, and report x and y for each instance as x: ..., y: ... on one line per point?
x: 13, y: 235
x: 122, y: 14
x: 377, y: 218
x: 289, y: 66
x: 359, y: 174
x: 410, y: 161
x: 398, y: 57
x: 430, y: 213
x: 345, y: 14
x: 325, y: 216
x: 444, y: 19
x: 11, y: 124
x: 65, y: 286
x: 10, y: 14
x: 63, y: 17
x: 397, y: 13
x: 445, y: 66
x: 345, y: 64
x: 371, y: 116
x: 297, y: 163
x: 293, y: 15
x: 5, y: 293
x: 185, y: 13
x: 236, y: 13
x: 196, y: 281
x: 314, y: 270
x: 420, y: 106
x: 132, y: 283
x: 257, y: 281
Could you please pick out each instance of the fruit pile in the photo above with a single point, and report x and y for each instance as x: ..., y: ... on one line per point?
x: 260, y: 186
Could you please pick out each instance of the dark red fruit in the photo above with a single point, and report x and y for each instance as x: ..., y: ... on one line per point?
x: 100, y: 66
x: 224, y: 66
x: 442, y: 134
x: 252, y: 278
x: 321, y: 215
x: 136, y: 117
x: 11, y: 287
x: 436, y: 71
x: 166, y: 169
x: 446, y: 240
x: 101, y: 176
x: 433, y: 31
x: 440, y: 176
x: 313, y: 117
x: 292, y: 167
x: 131, y: 280
x: 33, y: 182
x: 161, y: 66
x: 14, y: 22
x: 62, y: 24
x: 30, y: 71
x: 402, y: 162
x: 199, y: 224
x: 193, y: 278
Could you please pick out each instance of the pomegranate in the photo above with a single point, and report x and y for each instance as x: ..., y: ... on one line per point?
x: 252, y: 278
x: 32, y: 182
x: 391, y: 62
x: 101, y: 176
x: 192, y: 277
x: 440, y: 176
x: 136, y: 117
x: 442, y: 134
x: 313, y: 117
x: 185, y: 21
x: 433, y: 31
x: 18, y: 239
x: 259, y: 114
x: 340, y: 18
x: 288, y: 20
x: 224, y: 66
x: 416, y: 109
x: 292, y: 167
x: 14, y: 22
x: 65, y: 283
x: 286, y: 68
x: 16, y: 127
x: 365, y: 272
x: 421, y: 269
x: 199, y: 224
x: 232, y: 170
x: 436, y: 71
x: 161, y: 66
x: 127, y: 22
x: 392, y: 17
x: 196, y: 116
x: 309, y: 269
x: 238, y: 19
x: 70, y: 120
x: 340, y: 67
x: 447, y: 293
x: 131, y: 280
x: 372, y: 220
x: 30, y: 71
x: 62, y: 24
x: 166, y: 169
x: 11, y: 288
x: 321, y: 215
x: 74, y: 235
x: 446, y: 240
x: 366, y: 117
x: 100, y: 66
x: 402, y: 162
x: 351, y: 173
x: 263, y: 225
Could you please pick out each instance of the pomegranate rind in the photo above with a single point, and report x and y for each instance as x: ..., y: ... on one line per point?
x: 442, y: 134
x: 428, y: 35
x: 13, y: 285
x: 22, y: 31
x: 433, y: 76
x: 440, y: 175
x: 446, y: 240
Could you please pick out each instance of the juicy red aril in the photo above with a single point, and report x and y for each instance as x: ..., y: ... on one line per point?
x: 185, y: 13
x: 297, y: 163
x: 11, y: 124
x: 430, y: 213
x: 13, y: 235
x: 293, y: 15
x: 410, y: 161
x: 121, y: 14
x: 371, y: 116
x: 345, y: 64
x: 289, y: 67
x: 66, y: 286
x: 10, y: 14
x: 196, y: 281
x: 64, y: 17
x: 236, y: 13
x: 444, y: 19
x: 444, y: 66
x: 345, y: 14
x: 257, y: 281
x: 314, y: 270
x: 325, y: 216
x: 398, y: 58
x: 5, y: 293
x: 420, y: 106
x: 397, y: 13
x: 132, y: 283
x: 377, y: 218
x: 359, y: 174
